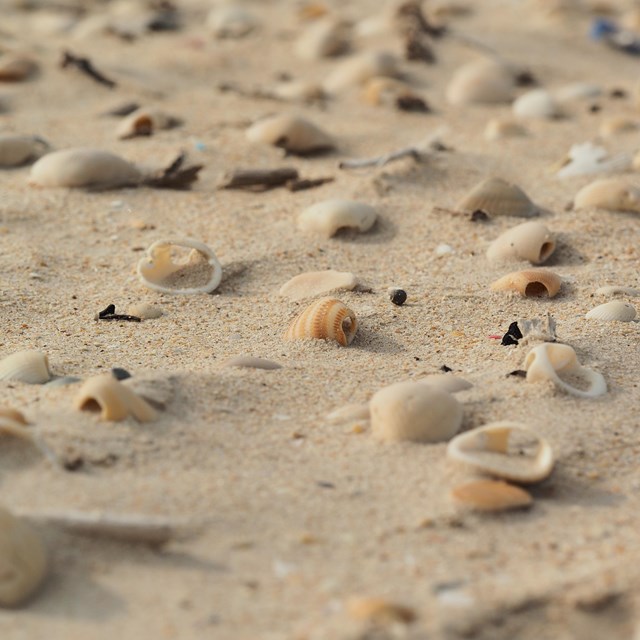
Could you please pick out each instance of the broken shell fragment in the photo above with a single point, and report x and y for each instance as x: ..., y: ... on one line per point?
x: 491, y: 496
x: 145, y: 311
x: 530, y: 241
x: 13, y: 415
x: 15, y: 68
x: 350, y: 413
x: 251, y: 362
x: 317, y: 283
x: 231, y: 21
x: 613, y: 311
x: 586, y: 158
x: 578, y: 91
x: 415, y: 412
x: 28, y: 366
x: 19, y: 150
x: 324, y: 319
x: 612, y: 194
x: 538, y: 103
x: 481, y: 82
x: 612, y: 290
x: 386, y: 91
x: 291, y: 133
x: 144, y: 122
x: 499, y: 128
x: 445, y: 382
x: 358, y: 69
x: 162, y: 270
x: 322, y: 39
x: 379, y: 611
x: 496, y: 197
x: 532, y: 283
x: 298, y: 90
x: 618, y: 124
x: 326, y: 218
x: 507, y: 450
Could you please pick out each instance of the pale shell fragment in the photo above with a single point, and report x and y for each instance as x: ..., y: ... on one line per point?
x: 317, y: 283
x: 538, y: 103
x: 298, y: 90
x: 382, y: 90
x: 18, y: 150
x: 356, y: 412
x: 613, y: 311
x: 500, y: 128
x: 251, y: 362
x: 611, y: 194
x: 324, y: 319
x: 157, y: 389
x: 144, y: 122
x: 322, y: 39
x: 481, y: 81
x: 358, y: 69
x: 507, y: 450
x: 379, y: 611
x: 586, y: 158
x: 577, y: 91
x: 531, y: 283
x: 326, y: 218
x: 415, y: 412
x: 612, y: 290
x: 491, y: 496
x: 15, y: 68
x: 231, y: 21
x: 617, y: 124
x: 28, y: 366
x: 201, y: 273
x: 291, y: 133
x: 530, y: 241
x: 145, y: 311
x: 496, y: 197
x: 446, y: 382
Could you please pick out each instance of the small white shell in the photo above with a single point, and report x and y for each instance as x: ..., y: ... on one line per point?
x: 231, y: 21
x: 530, y: 241
x: 611, y: 194
x: 298, y: 90
x: 357, y: 70
x: 144, y: 122
x: 415, y: 412
x: 445, y: 382
x: 201, y: 273
x: 145, y: 311
x: 322, y: 39
x: 327, y: 217
x: 496, y: 197
x: 613, y: 311
x: 612, y: 290
x: 481, y: 82
x: 324, y: 319
x: 18, y: 150
x: 538, y: 103
x: 500, y: 128
x: 549, y: 360
x: 28, y: 366
x: 291, y: 133
x: 317, y: 283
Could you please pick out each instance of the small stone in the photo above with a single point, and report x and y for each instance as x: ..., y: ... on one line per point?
x: 397, y: 296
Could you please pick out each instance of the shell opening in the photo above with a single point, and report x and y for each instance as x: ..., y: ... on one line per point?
x: 143, y: 126
x: 545, y: 251
x: 91, y: 404
x: 536, y: 290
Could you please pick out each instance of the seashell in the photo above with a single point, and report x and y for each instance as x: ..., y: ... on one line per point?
x: 586, y: 158
x: 157, y: 390
x: 530, y: 241
x: 113, y: 399
x: 81, y: 167
x: 145, y: 311
x: 491, y: 496
x: 577, y: 91
x: 29, y: 366
x: 537, y: 103
x: 500, y: 128
x: 291, y: 133
x: 250, y: 362
x: 507, y: 450
x: 358, y: 69
x: 549, y: 360
x: 200, y: 273
x: 612, y: 194
x: 382, y: 90
x: 481, y: 82
x: 445, y: 382
x: 19, y: 150
x: 532, y: 283
x: 23, y: 560
x: 379, y: 611
x: 12, y: 415
x: 16, y: 68
x: 617, y: 124
x: 326, y: 218
x: 350, y: 413
x: 144, y: 122
x: 231, y: 21
x: 613, y: 311
x: 317, y: 283
x: 324, y: 319
x: 496, y: 197
x: 415, y: 412
x: 613, y: 290
x: 324, y: 38
x: 300, y: 90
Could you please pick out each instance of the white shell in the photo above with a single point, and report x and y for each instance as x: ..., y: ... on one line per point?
x: 327, y: 217
x: 144, y: 122
x: 500, y: 128
x: 18, y: 150
x: 145, y: 311
x: 613, y: 311
x: 445, y: 382
x: 415, y: 412
x: 612, y: 290
x: 298, y: 90
x: 157, y: 270
x: 482, y: 81
x: 357, y: 70
x: 231, y: 21
x: 549, y: 360
x: 29, y: 366
x: 586, y: 158
x: 294, y: 134
x: 538, y: 103
x: 530, y: 241
x: 323, y: 38
x: 317, y: 283
x: 612, y: 194
x: 577, y: 91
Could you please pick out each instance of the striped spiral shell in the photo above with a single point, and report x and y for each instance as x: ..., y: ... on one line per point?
x: 325, y: 319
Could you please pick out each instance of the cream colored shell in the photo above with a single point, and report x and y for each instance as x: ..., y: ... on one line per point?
x: 491, y: 496
x: 231, y: 21
x: 616, y: 125
x: 144, y: 122
x: 531, y: 283
x: 18, y: 150
x: 415, y: 412
x: 326, y: 218
x: 507, y: 450
x: 496, y: 197
x: 324, y: 319
x: 291, y: 133
x: 445, y: 382
x: 612, y: 194
x: 538, y: 103
x: 612, y: 290
x: 385, y: 91
x: 530, y: 241
x: 28, y: 366
x: 500, y: 128
x: 577, y: 91
x: 355, y: 412
x: 298, y: 90
x: 613, y: 311
x: 550, y: 361
x: 201, y: 273
x: 317, y: 283
x: 482, y: 81
x: 324, y: 38
x: 355, y: 71
x: 145, y: 311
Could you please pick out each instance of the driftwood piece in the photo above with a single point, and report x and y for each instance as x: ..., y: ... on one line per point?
x: 174, y: 176
x: 86, y: 66
x: 258, y: 179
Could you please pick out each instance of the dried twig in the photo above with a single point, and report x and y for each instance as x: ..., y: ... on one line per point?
x: 110, y: 314
x: 302, y: 184
x: 86, y: 66
x: 258, y: 179
x: 262, y: 94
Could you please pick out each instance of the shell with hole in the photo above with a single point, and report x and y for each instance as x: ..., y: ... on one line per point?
x: 496, y: 197
x: 501, y: 128
x: 415, y: 412
x: 558, y: 363
x: 357, y: 70
x: 611, y: 194
x: 200, y: 273
x: 324, y: 319
x: 144, y: 122
x: 507, y: 450
x: 613, y: 311
x: 23, y: 560
x: 114, y: 400
x: 481, y: 82
x: 322, y: 39
x: 326, y: 218
x: 317, y: 283
x: 491, y: 496
x: 536, y: 104
x: 28, y: 366
x: 531, y: 283
x: 18, y: 150
x: 295, y: 135
x: 530, y: 241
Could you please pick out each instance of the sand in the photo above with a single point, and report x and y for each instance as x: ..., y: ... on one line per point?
x: 299, y: 515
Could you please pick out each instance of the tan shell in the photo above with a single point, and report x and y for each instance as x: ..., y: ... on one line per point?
x: 14, y: 68
x: 326, y: 218
x: 144, y: 122
x: 298, y: 90
x: 385, y: 91
x: 13, y: 415
x: 19, y: 150
x: 491, y: 496
x: 317, y: 283
x: 416, y: 412
x: 507, y: 450
x: 356, y: 412
x: 324, y: 319
x: 613, y: 311
x: 201, y: 273
x: 251, y: 362
x: 231, y: 21
x: 612, y: 290
x: 612, y: 194
x: 291, y: 133
x: 23, y: 560
x: 145, y: 311
x: 532, y: 283
x: 379, y: 611
x: 500, y: 128
x: 553, y: 362
x: 577, y: 91
x: 83, y: 168
x: 530, y: 241
x: 538, y: 103
x: 355, y: 71
x: 114, y: 400
x: 28, y: 366
x: 481, y: 82
x: 496, y: 197
x: 617, y: 124
x: 322, y: 39
x: 445, y: 382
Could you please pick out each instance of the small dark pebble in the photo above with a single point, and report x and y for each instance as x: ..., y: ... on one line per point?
x: 120, y: 374
x: 479, y: 216
x: 617, y: 94
x: 526, y: 79
x: 412, y: 103
x: 326, y: 485
x: 518, y: 373
x: 445, y: 369
x: 398, y: 296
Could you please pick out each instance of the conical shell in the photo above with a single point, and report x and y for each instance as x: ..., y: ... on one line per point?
x: 325, y: 319
x: 530, y: 241
x: 326, y: 218
x: 30, y: 366
x: 497, y: 197
x: 322, y: 39
x: 291, y: 133
x: 499, y: 128
x: 15, y: 68
x: 18, y: 150
x: 612, y: 194
x: 507, y: 450
x: 144, y: 122
x: 532, y: 283
x: 491, y: 496
x: 613, y: 311
x: 317, y: 283
x: 481, y: 82
x: 355, y: 71
x: 538, y: 103
x: 415, y: 412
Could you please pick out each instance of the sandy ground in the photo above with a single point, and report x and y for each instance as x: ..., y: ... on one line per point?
x: 299, y: 514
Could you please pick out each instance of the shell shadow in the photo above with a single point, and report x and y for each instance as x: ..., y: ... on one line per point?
x: 234, y: 274
x: 376, y: 342
x: 382, y: 231
x: 17, y: 455
x: 564, y: 255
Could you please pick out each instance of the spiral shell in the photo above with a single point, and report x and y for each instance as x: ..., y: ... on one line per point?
x: 326, y: 218
x: 613, y: 311
x: 491, y: 496
x: 481, y: 82
x: 28, y: 366
x: 19, y: 150
x: 496, y: 197
x: 325, y: 319
x: 530, y: 241
x: 532, y: 283
x: 293, y: 134
x: 612, y: 194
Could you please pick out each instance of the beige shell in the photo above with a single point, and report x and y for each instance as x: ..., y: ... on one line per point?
x: 500, y: 128
x: 28, y: 366
x: 617, y: 124
x: 491, y: 496
x: 13, y: 415
x: 322, y: 39
x: 317, y: 283
x: 445, y: 382
x: 482, y: 81
x: 15, y: 68
x: 385, y: 91
x: 291, y: 133
x: 144, y: 122
x: 145, y: 311
x: 532, y: 283
x: 538, y: 103
x: 355, y: 412
x: 379, y: 611
x: 355, y: 71
x: 251, y: 362
x: 577, y: 91
x: 613, y: 311
x: 326, y: 218
x: 553, y: 362
x: 19, y: 150
x: 415, y: 412
x: 83, y: 168
x: 612, y: 194
x: 201, y: 273
x: 496, y: 197
x: 612, y: 290
x: 507, y: 450
x: 231, y: 21
x: 298, y: 90
x: 530, y: 241
x: 324, y: 319
x: 114, y: 400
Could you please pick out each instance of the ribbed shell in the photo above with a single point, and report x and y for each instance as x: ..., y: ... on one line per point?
x: 530, y: 241
x: 496, y: 197
x: 29, y: 366
x: 613, y: 311
x: 532, y: 283
x: 290, y: 133
x: 612, y: 194
x: 325, y: 319
x: 491, y: 495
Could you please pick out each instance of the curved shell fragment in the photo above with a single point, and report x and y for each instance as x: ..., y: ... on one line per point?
x: 356, y: 412
x: 293, y: 134
x: 327, y: 217
x: 496, y: 197
x: 251, y: 362
x: 481, y: 82
x: 613, y: 311
x: 538, y: 103
x: 357, y: 70
x: 531, y: 283
x: 491, y: 496
x: 445, y: 382
x: 612, y: 194
x: 530, y: 241
x: 325, y: 319
x: 28, y: 366
x: 144, y: 122
x: 18, y: 150
x: 577, y: 91
x: 500, y: 128
x: 322, y: 39
x: 317, y: 283
x: 587, y: 158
